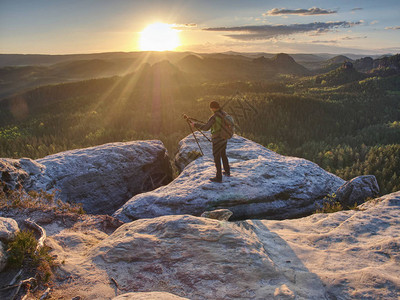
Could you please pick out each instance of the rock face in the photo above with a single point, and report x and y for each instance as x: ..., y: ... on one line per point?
x: 197, y: 258
x: 102, y: 178
x: 357, y: 190
x: 263, y: 184
x: 355, y: 253
x: 8, y: 229
x: 148, y: 296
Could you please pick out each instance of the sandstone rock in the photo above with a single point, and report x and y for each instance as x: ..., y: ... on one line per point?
x: 356, y: 254
x: 13, y: 173
x: 102, y: 177
x: 344, y: 255
x: 3, y: 257
x: 357, y: 190
x: 219, y: 214
x: 148, y: 296
x: 8, y: 229
x: 197, y: 258
x: 263, y: 184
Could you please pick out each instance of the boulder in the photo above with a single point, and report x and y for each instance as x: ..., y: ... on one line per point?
x: 3, y: 256
x: 198, y: 258
x: 148, y: 296
x: 263, y: 184
x: 357, y: 190
x: 8, y: 229
x: 102, y: 178
x: 219, y: 214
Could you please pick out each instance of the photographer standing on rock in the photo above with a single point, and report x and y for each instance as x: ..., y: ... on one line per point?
x: 220, y: 133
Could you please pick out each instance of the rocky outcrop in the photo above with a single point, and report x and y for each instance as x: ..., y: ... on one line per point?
x: 8, y: 229
x: 350, y: 254
x: 197, y: 258
x: 102, y: 178
x: 263, y: 184
x: 357, y: 190
x: 148, y: 296
x: 389, y: 62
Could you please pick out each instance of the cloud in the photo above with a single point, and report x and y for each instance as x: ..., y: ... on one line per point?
x: 357, y: 8
x: 299, y: 11
x: 393, y: 28
x: 345, y: 38
x: 265, y: 32
x: 324, y: 42
x: 182, y: 26
x: 349, y: 38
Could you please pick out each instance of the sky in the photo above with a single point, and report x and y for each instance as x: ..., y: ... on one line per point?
x: 290, y: 26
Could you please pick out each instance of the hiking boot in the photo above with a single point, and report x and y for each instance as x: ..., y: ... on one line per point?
x: 216, y: 179
x: 226, y: 173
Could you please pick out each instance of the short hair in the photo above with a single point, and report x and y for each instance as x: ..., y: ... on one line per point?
x: 214, y: 104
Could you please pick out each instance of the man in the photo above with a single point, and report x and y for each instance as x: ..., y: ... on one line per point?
x: 218, y: 143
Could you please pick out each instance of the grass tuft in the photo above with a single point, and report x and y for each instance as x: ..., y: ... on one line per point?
x: 22, y: 253
x: 21, y: 199
x: 330, y: 205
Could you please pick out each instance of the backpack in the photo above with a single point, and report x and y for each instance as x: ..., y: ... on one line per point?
x: 227, y: 126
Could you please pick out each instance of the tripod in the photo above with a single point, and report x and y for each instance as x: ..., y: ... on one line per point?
x: 188, y: 120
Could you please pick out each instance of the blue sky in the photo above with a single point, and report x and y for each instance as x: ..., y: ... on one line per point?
x: 84, y: 26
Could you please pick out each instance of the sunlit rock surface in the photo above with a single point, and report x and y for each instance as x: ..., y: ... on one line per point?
x: 351, y: 254
x: 355, y: 253
x: 102, y: 178
x: 263, y: 184
x: 199, y: 258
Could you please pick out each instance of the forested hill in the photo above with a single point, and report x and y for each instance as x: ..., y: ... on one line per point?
x: 346, y: 120
x: 205, y: 67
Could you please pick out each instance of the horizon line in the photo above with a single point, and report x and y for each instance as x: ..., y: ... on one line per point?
x: 176, y: 51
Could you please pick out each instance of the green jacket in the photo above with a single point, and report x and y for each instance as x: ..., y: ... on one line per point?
x: 214, y: 124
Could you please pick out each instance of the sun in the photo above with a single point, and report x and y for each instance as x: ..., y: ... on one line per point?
x: 159, y: 37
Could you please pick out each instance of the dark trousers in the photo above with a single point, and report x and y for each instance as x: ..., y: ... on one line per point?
x: 219, y: 153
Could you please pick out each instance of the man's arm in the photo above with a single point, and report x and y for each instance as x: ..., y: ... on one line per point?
x: 206, y: 126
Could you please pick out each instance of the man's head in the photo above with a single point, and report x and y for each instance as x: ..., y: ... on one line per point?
x: 214, y: 105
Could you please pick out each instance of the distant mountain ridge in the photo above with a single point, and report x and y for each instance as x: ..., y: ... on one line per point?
x: 219, y: 66
x: 50, y: 59
x: 54, y: 69
x: 239, y: 67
